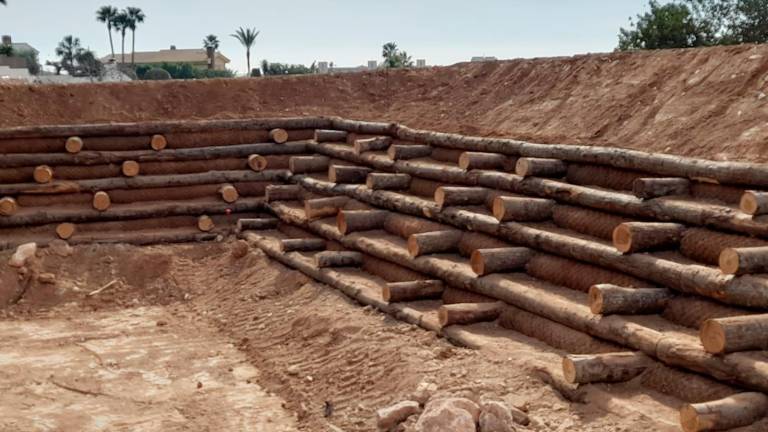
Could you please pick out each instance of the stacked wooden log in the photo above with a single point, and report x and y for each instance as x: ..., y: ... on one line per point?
x: 615, y: 256
x: 167, y: 181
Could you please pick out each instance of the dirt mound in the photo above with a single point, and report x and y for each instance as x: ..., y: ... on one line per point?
x: 707, y: 102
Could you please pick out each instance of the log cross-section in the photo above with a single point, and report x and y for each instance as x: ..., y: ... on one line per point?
x: 608, y: 367
x: 130, y: 168
x: 278, y: 135
x: 43, y: 174
x: 73, y: 145
x: 609, y: 299
x: 8, y: 206
x: 741, y: 261
x: 158, y: 142
x: 101, y: 201
x: 732, y: 334
x: 754, y: 203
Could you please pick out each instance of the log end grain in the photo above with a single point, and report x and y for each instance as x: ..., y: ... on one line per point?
x: 73, y: 144
x: 101, y: 201
x: 729, y: 261
x: 750, y: 202
x: 65, y: 230
x: 713, y: 337
x: 205, y: 223
x: 569, y: 370
x: 229, y: 193
x: 130, y: 168
x: 257, y: 163
x: 280, y: 136
x: 622, y: 238
x: 8, y: 206
x: 595, y: 298
x: 43, y: 174
x: 158, y: 142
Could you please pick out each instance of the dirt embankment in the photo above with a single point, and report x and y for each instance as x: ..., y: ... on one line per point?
x: 699, y: 102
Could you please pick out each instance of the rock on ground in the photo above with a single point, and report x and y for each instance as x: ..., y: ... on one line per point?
x: 387, y: 418
x: 449, y: 414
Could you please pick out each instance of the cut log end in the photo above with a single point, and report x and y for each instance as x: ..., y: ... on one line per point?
x: 101, y: 201
x: 257, y: 163
x: 229, y: 193
x: 477, y: 263
x: 130, y: 168
x: 735, y: 411
x: 622, y: 238
x: 595, y: 300
x: 205, y: 223
x: 8, y: 206
x: 754, y: 203
x: 43, y: 174
x: 713, y: 337
x: 569, y: 369
x: 278, y: 135
x: 73, y: 145
x: 158, y: 142
x: 729, y: 261
x: 65, y: 230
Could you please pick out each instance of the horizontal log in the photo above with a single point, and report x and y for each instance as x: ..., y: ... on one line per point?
x: 710, y: 192
x: 349, y: 221
x: 404, y: 152
x: 577, y: 275
x: 647, y: 188
x: 308, y: 164
x: 607, y: 299
x: 735, y: 411
x: 386, y: 181
x: 330, y: 135
x: 739, y: 333
x: 388, y: 270
x: 433, y: 242
x: 405, y: 226
x: 324, y: 207
x: 522, y: 209
x: 363, y: 127
x: 468, y: 313
x: 27, y: 217
x: 499, y: 260
x: 338, y: 259
x: 553, y: 333
x: 89, y: 158
x: 693, y: 279
x: 276, y: 192
x: 754, y: 203
x: 446, y: 155
x: 412, y: 291
x: 424, y: 188
x: 683, y: 385
x: 446, y: 196
x: 602, y: 176
x: 540, y: 167
x: 477, y: 160
x: 160, y: 127
x: 347, y: 174
x: 632, y: 237
x: 607, y: 367
x: 302, y: 245
x: 705, y: 245
x: 552, y: 302
x: 248, y: 224
x: 693, y: 311
x: 586, y: 221
x: 453, y: 295
x: 472, y: 241
x: 372, y: 144
x: 741, y: 261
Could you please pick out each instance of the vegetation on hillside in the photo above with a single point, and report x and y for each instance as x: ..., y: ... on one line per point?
x: 184, y: 71
x: 394, y: 57
x: 268, y: 68
x: 693, y: 23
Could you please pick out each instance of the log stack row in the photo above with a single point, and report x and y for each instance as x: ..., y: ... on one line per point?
x: 639, y: 266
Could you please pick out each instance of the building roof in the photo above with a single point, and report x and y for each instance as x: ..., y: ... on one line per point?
x: 170, y: 56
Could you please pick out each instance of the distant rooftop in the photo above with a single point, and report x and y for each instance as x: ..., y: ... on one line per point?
x: 172, y: 55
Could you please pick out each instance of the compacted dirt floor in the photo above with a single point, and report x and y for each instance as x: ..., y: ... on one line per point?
x: 188, y: 338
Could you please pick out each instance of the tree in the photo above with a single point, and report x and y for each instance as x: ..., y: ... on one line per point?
x: 284, y: 68
x: 86, y: 64
x: 107, y: 14
x: 121, y: 24
x: 67, y: 50
x: 247, y: 38
x: 394, y: 58
x: 749, y: 21
x: 6, y: 50
x: 211, y: 41
x: 670, y: 25
x: 135, y: 17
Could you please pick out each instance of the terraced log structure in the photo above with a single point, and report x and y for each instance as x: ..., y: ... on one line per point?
x: 638, y: 264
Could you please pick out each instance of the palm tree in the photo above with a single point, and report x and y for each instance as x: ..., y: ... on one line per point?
x: 247, y: 37
x: 135, y: 16
x: 122, y: 23
x: 389, y: 52
x: 211, y: 41
x: 68, y: 49
x: 107, y: 14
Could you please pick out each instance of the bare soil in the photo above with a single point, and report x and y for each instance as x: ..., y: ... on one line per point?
x: 189, y: 338
x: 705, y: 102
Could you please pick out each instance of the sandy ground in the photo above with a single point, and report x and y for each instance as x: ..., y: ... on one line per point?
x: 191, y: 339
x: 706, y: 102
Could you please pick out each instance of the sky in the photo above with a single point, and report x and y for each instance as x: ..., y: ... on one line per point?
x: 346, y: 32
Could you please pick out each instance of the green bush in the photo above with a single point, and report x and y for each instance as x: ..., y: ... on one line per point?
x: 185, y: 71
x: 157, y: 74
